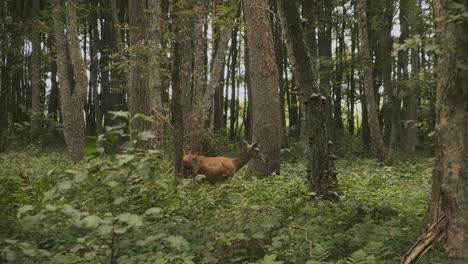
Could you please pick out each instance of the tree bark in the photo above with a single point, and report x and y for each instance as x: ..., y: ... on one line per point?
x: 37, y: 106
x: 73, y: 79
x: 325, y: 23
x: 94, y: 67
x: 374, y: 126
x: 452, y: 123
x: 264, y: 84
x: 144, y: 70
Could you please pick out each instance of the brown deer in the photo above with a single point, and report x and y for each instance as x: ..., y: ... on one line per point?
x: 219, y: 169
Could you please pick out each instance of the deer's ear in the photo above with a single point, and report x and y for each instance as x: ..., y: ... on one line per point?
x: 246, y: 143
x: 254, y: 145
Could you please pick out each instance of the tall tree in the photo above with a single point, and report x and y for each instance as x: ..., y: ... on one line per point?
x: 452, y: 129
x: 264, y: 85
x: 36, y: 84
x: 72, y: 75
x: 374, y: 126
x: 449, y: 197
x: 143, y: 85
x: 321, y: 173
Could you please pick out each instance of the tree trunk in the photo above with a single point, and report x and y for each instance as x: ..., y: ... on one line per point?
x: 179, y: 71
x: 352, y: 83
x: 73, y: 79
x: 321, y: 173
x: 53, y: 111
x: 452, y: 123
x: 142, y: 89
x: 36, y: 83
x: 403, y: 75
x: 374, y: 126
x: 94, y: 67
x: 340, y: 67
x: 391, y: 107
x: 232, y: 74
x: 325, y: 18
x: 264, y: 85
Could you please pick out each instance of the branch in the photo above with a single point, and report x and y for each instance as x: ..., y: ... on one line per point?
x: 426, y: 241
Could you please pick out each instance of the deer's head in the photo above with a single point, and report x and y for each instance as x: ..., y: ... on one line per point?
x: 254, y: 150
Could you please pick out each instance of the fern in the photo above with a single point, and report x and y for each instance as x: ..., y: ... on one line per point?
x: 361, y: 257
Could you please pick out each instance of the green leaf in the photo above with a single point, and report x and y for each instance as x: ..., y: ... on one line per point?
x: 64, y: 185
x: 112, y: 184
x: 120, y: 229
x: 259, y: 235
x: 70, y: 211
x: 270, y: 259
x: 11, y: 241
x: 115, y: 114
x: 131, y: 219
x: 30, y: 252
x: 146, y: 135
x: 50, y: 207
x: 23, y: 209
x: 91, y: 221
x: 104, y: 229
x: 118, y: 200
x: 127, y: 146
x: 123, y: 159
x: 178, y: 242
x: 153, y: 211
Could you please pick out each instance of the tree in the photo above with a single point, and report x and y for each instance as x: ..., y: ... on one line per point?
x: 449, y: 197
x: 36, y: 83
x: 144, y: 80
x: 452, y: 128
x: 264, y: 85
x: 321, y: 173
x: 72, y: 76
x: 374, y: 125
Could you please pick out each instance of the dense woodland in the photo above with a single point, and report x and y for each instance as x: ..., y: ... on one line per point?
x: 346, y: 121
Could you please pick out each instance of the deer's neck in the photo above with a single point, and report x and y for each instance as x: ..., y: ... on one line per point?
x: 243, y: 158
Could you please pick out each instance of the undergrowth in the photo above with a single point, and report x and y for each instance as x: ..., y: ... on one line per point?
x: 131, y: 208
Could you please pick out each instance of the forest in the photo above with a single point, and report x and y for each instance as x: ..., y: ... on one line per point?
x: 234, y: 131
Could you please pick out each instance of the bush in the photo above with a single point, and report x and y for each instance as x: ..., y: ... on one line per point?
x: 129, y: 208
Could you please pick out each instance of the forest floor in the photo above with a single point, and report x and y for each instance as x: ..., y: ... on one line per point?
x: 135, y: 210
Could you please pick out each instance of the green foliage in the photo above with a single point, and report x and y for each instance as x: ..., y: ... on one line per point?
x: 128, y: 207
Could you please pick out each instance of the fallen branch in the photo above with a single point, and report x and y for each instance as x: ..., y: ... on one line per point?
x: 426, y: 241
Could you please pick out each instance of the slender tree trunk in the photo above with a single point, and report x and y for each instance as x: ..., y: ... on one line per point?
x: 53, y: 107
x: 72, y: 75
x: 37, y: 106
x: 340, y: 67
x: 403, y: 71
x: 413, y: 97
x: 264, y: 85
x: 94, y: 67
x: 248, y: 119
x: 391, y: 107
x: 325, y: 18
x: 179, y: 71
x: 376, y: 136
x: 352, y: 83
x: 232, y: 74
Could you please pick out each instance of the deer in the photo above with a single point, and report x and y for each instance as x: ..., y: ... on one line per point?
x: 219, y: 169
